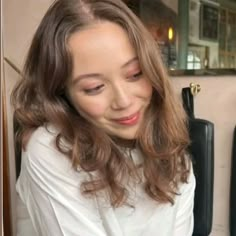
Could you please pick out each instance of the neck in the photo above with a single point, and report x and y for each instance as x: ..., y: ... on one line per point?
x: 126, y: 143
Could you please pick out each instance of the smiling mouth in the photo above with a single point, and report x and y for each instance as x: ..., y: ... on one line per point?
x: 128, y: 120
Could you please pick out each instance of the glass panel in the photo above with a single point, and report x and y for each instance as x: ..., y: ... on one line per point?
x: 179, y: 25
x: 231, y: 32
x: 222, y: 38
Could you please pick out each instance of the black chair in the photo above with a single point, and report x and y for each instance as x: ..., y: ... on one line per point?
x: 202, y: 151
x: 233, y: 190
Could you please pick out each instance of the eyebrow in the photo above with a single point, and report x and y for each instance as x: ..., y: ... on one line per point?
x: 92, y: 75
x: 130, y: 62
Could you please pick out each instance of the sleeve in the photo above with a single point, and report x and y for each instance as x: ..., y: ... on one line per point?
x: 50, y: 188
x: 184, y: 218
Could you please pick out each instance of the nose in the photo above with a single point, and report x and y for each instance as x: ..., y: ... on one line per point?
x: 121, y: 97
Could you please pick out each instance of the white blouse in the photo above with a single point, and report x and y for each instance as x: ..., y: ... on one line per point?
x: 50, y: 190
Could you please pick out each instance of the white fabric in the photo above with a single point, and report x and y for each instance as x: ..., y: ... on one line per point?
x: 50, y: 190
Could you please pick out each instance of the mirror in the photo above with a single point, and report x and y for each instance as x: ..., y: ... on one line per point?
x: 192, y: 34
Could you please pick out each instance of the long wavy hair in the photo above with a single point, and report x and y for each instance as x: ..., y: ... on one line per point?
x: 40, y: 98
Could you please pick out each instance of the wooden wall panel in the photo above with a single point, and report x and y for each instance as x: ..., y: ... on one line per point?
x: 7, y: 219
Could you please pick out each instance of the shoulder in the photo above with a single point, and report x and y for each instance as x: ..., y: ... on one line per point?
x: 44, y: 139
x: 42, y: 144
x: 42, y: 154
x: 45, y: 167
x: 42, y: 135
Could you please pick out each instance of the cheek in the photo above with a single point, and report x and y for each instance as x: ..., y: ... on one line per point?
x: 146, y: 89
x: 91, y: 107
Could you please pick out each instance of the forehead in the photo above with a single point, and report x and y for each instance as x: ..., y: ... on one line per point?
x: 99, y: 32
x: 101, y: 42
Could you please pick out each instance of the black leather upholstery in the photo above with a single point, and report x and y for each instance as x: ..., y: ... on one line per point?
x: 202, y: 150
x: 233, y: 190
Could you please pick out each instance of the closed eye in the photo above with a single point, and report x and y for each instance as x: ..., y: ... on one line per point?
x: 95, y: 90
x: 136, y: 76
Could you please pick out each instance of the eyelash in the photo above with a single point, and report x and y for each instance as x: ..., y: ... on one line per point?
x: 94, y: 91
x: 97, y: 89
x: 136, y: 76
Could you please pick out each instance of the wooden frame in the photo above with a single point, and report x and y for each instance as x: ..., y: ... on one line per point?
x: 7, y: 219
x: 209, y: 22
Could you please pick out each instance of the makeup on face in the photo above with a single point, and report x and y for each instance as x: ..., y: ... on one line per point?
x: 108, y: 87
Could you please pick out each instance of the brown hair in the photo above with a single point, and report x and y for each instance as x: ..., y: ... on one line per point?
x: 40, y: 98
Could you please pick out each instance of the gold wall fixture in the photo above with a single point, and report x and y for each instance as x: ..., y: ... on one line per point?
x: 195, y: 88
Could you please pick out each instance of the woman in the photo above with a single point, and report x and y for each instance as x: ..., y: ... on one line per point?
x: 104, y: 139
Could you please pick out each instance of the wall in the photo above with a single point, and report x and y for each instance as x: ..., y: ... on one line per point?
x: 20, y: 19
x: 216, y: 102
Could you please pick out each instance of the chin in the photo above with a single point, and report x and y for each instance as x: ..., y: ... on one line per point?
x: 128, y: 135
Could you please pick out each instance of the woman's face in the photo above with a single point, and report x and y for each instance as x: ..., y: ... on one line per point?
x: 107, y: 85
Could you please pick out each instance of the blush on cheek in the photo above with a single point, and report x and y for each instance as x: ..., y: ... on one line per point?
x: 92, y: 111
x: 147, y: 88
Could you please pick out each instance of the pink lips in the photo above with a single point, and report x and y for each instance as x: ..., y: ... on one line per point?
x: 129, y: 120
